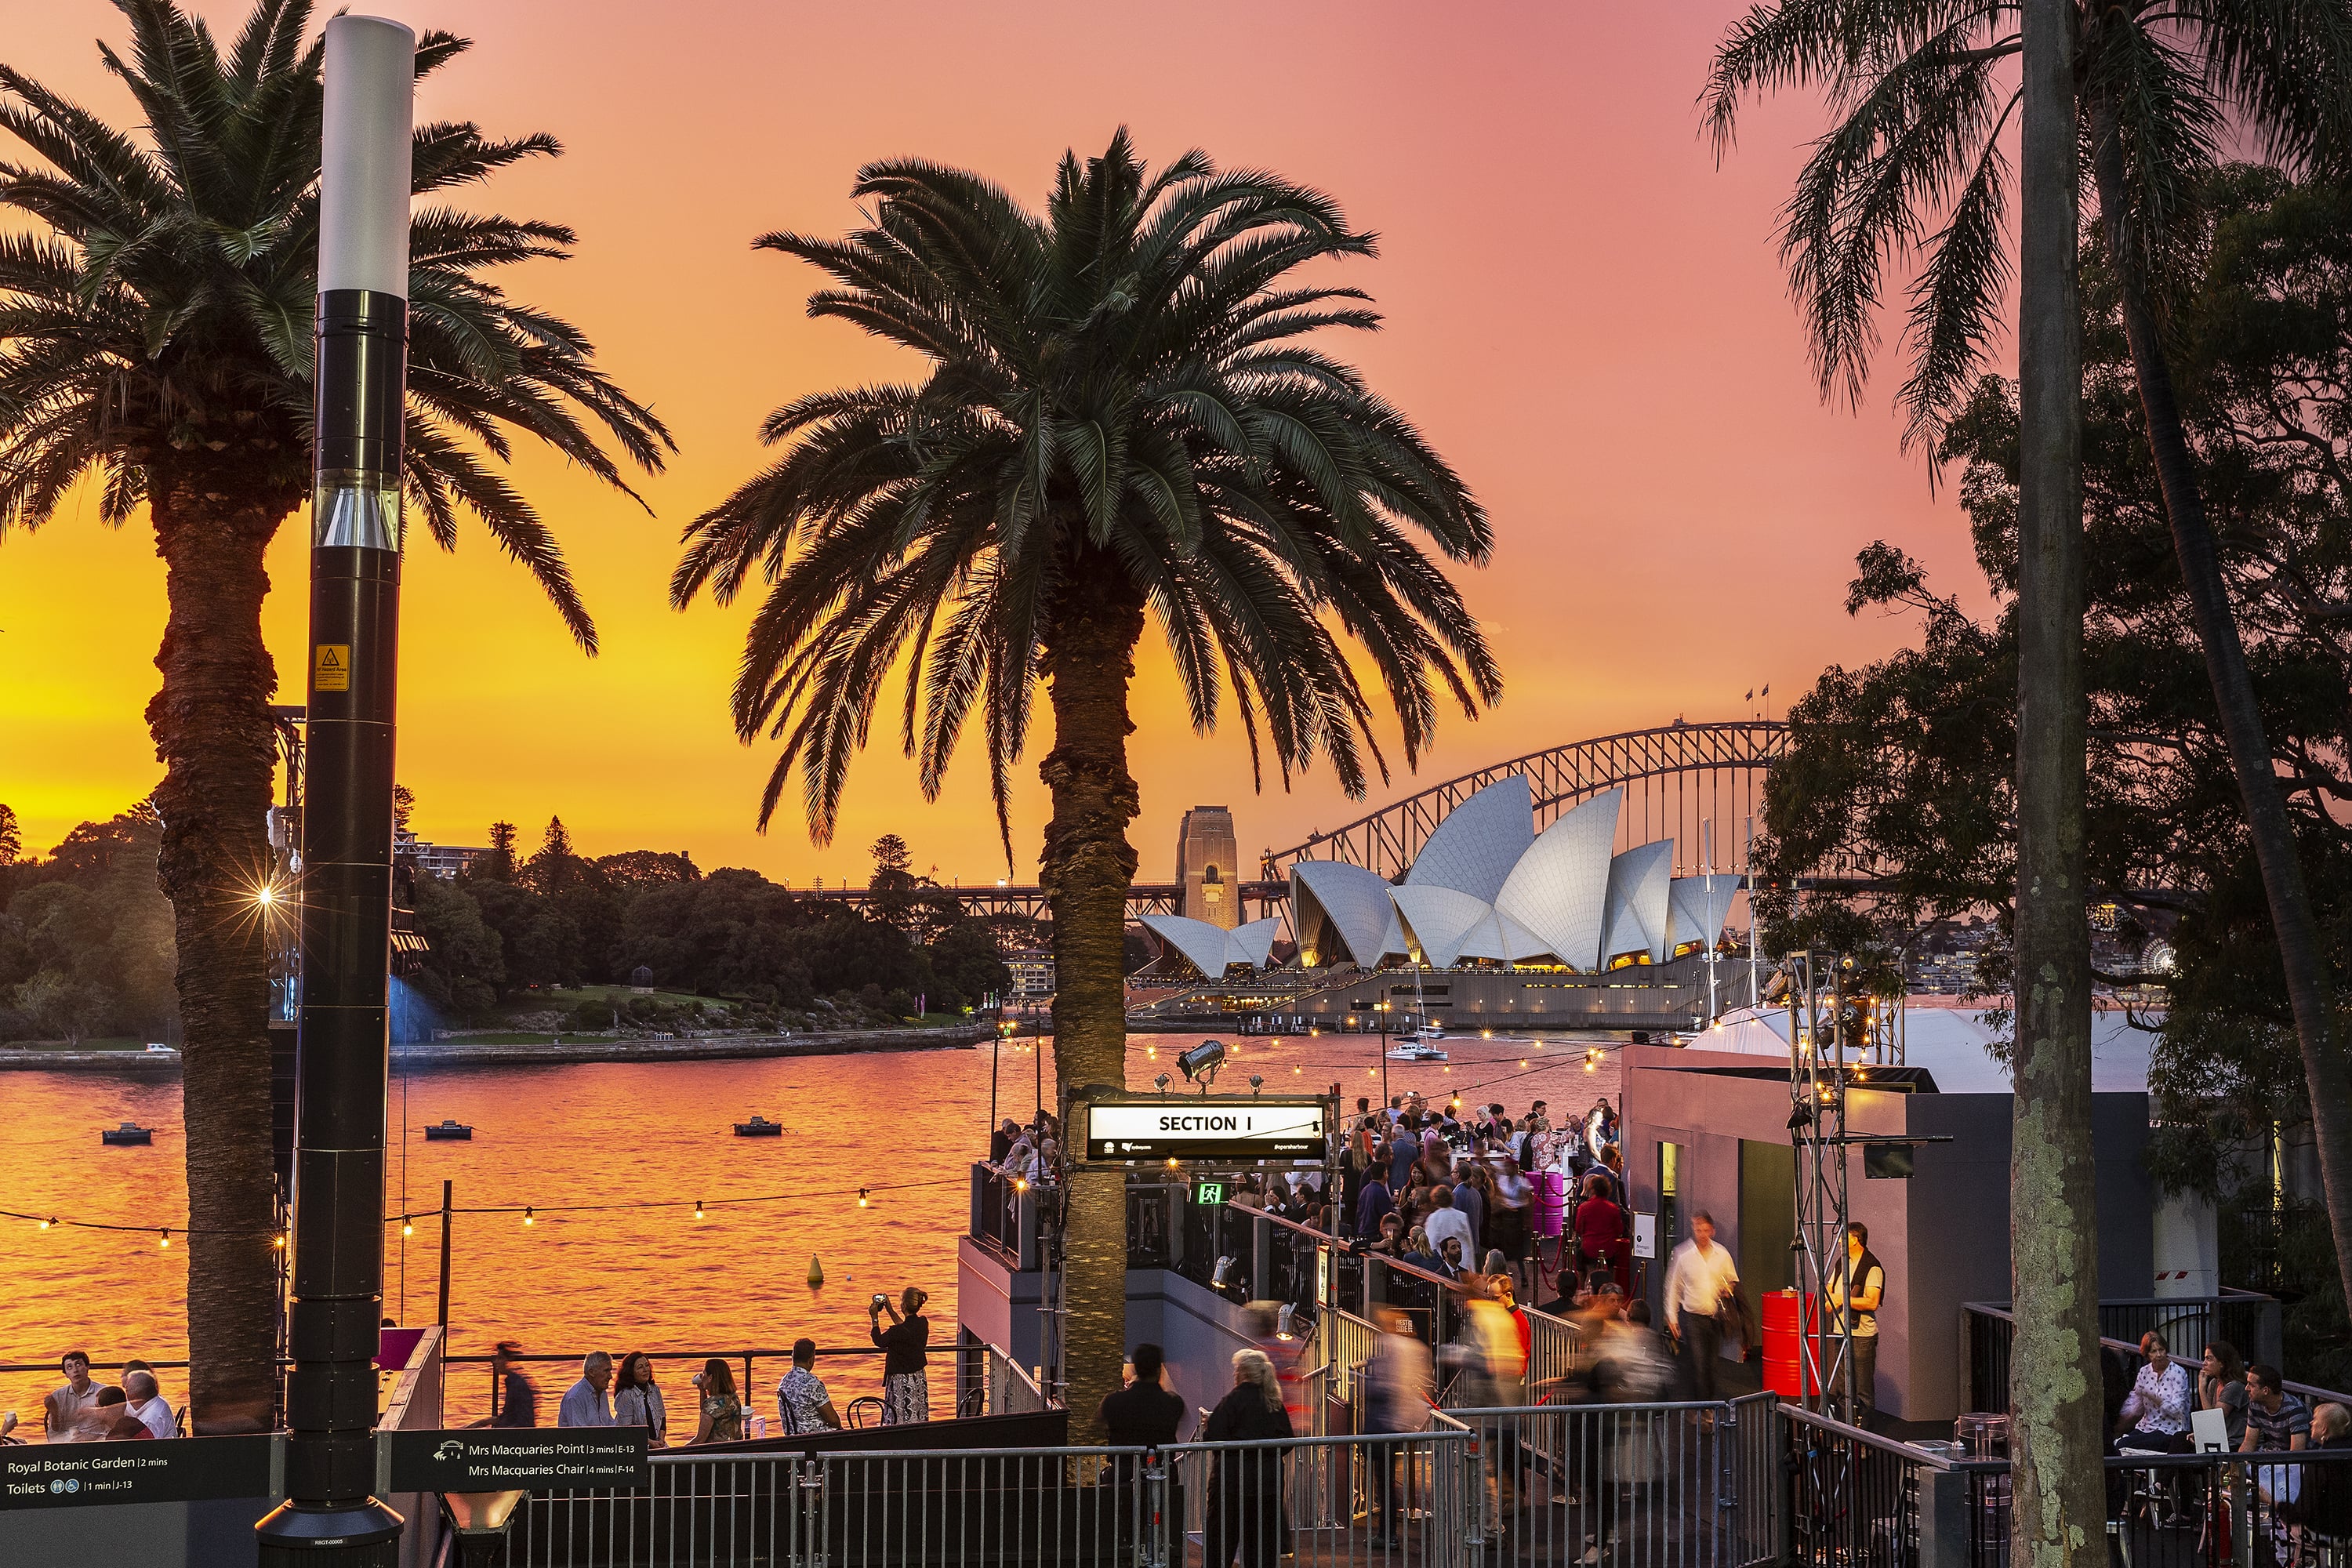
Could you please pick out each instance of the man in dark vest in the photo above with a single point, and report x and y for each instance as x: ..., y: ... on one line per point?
x: 1145, y: 1415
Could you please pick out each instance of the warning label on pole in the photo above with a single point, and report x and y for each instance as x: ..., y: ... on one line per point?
x: 330, y: 669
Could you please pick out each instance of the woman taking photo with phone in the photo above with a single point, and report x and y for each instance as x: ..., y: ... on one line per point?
x: 906, y: 1386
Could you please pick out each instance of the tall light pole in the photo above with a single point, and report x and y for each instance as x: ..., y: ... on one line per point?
x: 343, y: 1047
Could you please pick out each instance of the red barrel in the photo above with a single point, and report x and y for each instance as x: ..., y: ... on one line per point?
x: 1783, y: 1345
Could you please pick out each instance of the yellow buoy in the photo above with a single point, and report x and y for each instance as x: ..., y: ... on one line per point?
x: 816, y: 1272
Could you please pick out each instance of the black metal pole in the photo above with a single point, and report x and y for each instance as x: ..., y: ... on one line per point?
x: 447, y: 1212
x: 342, y: 1049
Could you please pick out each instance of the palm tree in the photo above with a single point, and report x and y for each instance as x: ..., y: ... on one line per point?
x: 155, y: 333
x: 1119, y: 420
x: 1916, y: 165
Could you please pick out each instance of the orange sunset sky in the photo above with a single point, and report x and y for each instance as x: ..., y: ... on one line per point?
x: 1585, y: 314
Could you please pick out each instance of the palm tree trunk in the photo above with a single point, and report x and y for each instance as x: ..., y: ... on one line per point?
x: 2309, y: 987
x: 2055, y: 1404
x: 1086, y: 872
x: 211, y: 724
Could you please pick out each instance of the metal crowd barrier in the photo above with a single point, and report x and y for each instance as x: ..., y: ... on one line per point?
x: 1303, y: 1499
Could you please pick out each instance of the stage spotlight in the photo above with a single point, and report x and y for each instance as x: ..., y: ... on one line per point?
x: 1202, y: 1058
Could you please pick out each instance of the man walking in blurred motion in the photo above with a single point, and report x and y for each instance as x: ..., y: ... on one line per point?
x: 1399, y: 1390
x: 1699, y: 1281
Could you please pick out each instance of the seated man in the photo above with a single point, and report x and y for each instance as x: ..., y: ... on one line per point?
x: 2324, y: 1504
x: 802, y: 1398
x: 2277, y: 1423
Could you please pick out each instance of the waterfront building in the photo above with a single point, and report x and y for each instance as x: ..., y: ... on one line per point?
x: 1032, y: 973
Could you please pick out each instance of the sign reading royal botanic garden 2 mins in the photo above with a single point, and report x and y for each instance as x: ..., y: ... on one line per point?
x: 181, y: 1469
x: 1206, y: 1127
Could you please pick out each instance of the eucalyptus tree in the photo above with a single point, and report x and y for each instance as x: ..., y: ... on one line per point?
x: 1118, y: 419
x: 1916, y: 166
x: 155, y: 341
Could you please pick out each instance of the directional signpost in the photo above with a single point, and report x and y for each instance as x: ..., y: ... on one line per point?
x: 184, y: 1469
x: 536, y: 1459
x: 1209, y: 1127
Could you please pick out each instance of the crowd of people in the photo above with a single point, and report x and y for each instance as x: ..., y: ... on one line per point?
x: 2254, y: 1412
x: 83, y: 1410
x: 625, y: 1392
x: 1453, y: 1194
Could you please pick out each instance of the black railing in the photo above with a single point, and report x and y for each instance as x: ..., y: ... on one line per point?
x: 2249, y: 1322
x: 1849, y: 1498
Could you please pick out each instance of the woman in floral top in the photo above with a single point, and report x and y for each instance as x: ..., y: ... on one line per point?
x: 722, y: 1410
x: 801, y: 1397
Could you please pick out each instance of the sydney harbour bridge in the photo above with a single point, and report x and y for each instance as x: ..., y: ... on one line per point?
x: 1680, y: 781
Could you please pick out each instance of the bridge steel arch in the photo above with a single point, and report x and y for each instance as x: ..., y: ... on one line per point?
x: 1676, y: 778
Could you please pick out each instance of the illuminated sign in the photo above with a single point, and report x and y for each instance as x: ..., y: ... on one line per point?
x: 1208, y: 1128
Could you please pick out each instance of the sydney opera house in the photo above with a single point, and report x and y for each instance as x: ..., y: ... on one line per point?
x: 1497, y: 923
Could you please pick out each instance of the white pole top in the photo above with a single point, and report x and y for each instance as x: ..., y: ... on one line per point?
x: 364, y: 162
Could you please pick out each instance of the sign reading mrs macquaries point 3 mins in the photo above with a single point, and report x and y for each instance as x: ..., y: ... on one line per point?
x: 516, y: 1459
x: 1223, y: 1127
x: 186, y: 1469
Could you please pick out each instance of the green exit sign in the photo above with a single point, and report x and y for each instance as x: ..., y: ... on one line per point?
x: 1208, y: 1192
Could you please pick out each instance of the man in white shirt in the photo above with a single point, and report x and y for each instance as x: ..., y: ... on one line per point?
x: 1698, y: 1279
x: 1446, y: 1220
x: 584, y: 1403
x: 145, y: 1402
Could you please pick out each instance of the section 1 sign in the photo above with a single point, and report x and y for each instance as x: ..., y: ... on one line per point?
x: 519, y: 1458
x: 1205, y: 1128
x: 176, y: 1470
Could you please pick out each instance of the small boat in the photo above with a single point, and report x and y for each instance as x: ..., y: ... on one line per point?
x: 449, y: 1128
x: 127, y: 1133
x: 759, y: 1127
x: 1412, y: 1050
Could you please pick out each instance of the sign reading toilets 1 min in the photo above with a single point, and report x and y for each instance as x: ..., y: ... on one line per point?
x: 516, y: 1459
x: 1209, y: 1126
x: 182, y: 1469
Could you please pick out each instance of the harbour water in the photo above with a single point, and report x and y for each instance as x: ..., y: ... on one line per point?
x: 904, y: 1125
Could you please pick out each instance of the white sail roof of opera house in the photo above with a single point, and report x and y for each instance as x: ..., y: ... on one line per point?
x: 1954, y: 1043
x: 1559, y: 889
x: 1474, y: 849
x: 1698, y: 907
x: 1636, y: 917
x: 1448, y: 926
x: 1486, y: 886
x: 1334, y: 901
x: 1212, y: 947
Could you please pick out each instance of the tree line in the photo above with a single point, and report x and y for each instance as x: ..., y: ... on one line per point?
x: 558, y: 918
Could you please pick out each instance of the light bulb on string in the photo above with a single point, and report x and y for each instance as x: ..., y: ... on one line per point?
x: 697, y: 1208
x: 278, y: 1241
x: 164, y: 1238
x: 528, y: 1218
x: 862, y: 1200
x: 407, y: 1227
x: 47, y: 1223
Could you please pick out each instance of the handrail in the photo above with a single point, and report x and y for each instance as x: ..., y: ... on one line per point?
x: 1341, y: 1243
x: 1903, y: 1451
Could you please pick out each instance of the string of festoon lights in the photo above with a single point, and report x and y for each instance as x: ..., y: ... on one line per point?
x: 529, y: 1215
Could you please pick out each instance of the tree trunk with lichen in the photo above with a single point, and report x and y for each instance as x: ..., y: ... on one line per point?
x: 2303, y: 954
x: 211, y: 725
x: 1086, y: 872
x: 2054, y: 1395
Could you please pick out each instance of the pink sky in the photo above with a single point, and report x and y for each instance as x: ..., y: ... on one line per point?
x: 1585, y: 315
